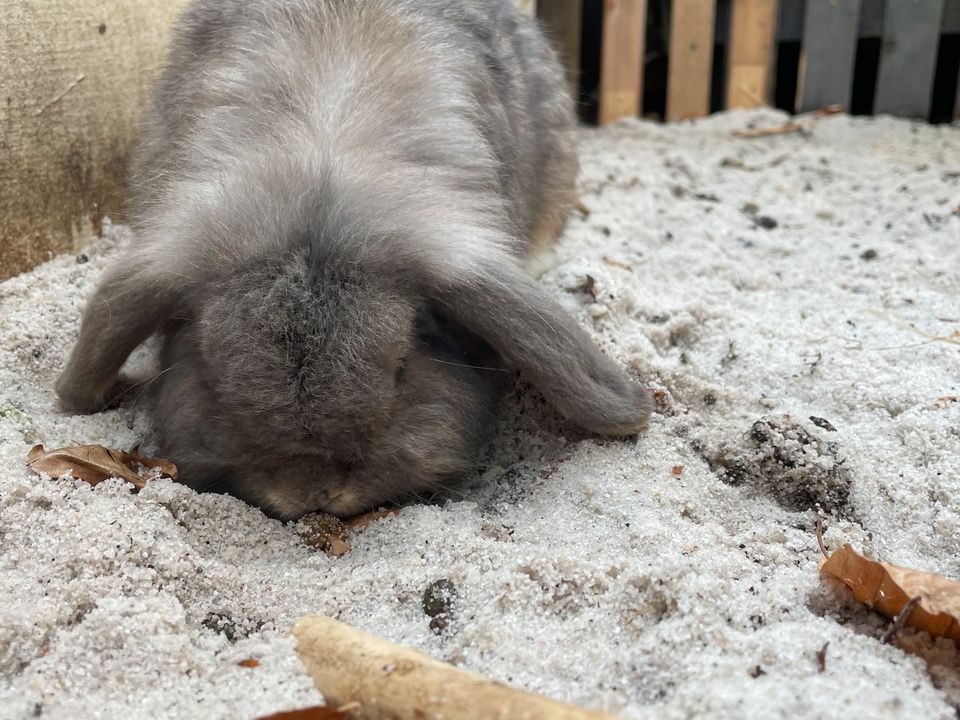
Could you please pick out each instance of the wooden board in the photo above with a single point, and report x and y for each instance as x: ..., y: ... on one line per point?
x: 74, y: 78
x: 750, y: 52
x: 829, y: 52
x: 911, y: 36
x: 790, y: 20
x: 621, y: 59
x: 562, y: 21
x: 690, y: 58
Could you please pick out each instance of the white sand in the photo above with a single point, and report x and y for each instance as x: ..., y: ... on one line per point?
x: 585, y: 569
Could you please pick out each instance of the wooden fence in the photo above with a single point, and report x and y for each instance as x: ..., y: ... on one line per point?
x: 746, y: 34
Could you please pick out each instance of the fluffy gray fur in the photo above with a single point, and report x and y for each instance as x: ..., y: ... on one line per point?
x: 333, y: 200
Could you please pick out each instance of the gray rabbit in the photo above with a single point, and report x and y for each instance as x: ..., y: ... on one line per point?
x: 333, y: 201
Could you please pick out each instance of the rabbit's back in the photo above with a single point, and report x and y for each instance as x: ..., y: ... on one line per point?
x: 456, y: 102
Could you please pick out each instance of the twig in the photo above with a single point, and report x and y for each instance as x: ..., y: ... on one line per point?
x: 953, y: 338
x: 900, y: 619
x: 787, y: 127
x: 617, y: 263
x: 823, y: 548
x: 822, y: 657
x: 50, y: 103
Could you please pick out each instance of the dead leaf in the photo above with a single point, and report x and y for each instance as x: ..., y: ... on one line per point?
x: 329, y: 533
x: 249, y: 663
x: 95, y: 463
x: 888, y: 589
x: 830, y: 110
x: 359, y: 522
x: 324, y: 532
x: 317, y: 712
x: 587, y: 285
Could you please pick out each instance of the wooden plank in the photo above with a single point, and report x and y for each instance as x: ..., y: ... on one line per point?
x: 75, y: 78
x: 790, y: 20
x: 621, y: 59
x: 562, y: 20
x: 911, y: 36
x: 690, y: 58
x: 750, y: 54
x: 829, y: 51
x: 951, y: 17
x: 871, y: 18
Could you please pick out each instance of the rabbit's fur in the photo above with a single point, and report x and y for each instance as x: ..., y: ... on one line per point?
x: 333, y: 200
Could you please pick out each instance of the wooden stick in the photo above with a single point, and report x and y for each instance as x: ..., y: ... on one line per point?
x: 390, y: 681
x: 785, y: 128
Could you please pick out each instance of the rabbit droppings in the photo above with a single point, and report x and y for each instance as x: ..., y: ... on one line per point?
x: 332, y: 205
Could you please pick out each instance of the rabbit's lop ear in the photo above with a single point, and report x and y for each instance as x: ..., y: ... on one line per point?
x: 130, y: 303
x: 535, y: 335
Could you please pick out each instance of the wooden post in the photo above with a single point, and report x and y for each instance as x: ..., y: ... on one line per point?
x: 621, y: 59
x: 562, y: 20
x: 911, y: 36
x: 830, y: 31
x: 690, y: 57
x: 750, y: 52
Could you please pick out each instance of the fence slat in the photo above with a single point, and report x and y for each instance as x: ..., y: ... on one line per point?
x: 750, y: 52
x: 562, y: 20
x: 690, y: 58
x: 621, y: 60
x: 911, y: 34
x: 829, y: 52
x: 956, y: 103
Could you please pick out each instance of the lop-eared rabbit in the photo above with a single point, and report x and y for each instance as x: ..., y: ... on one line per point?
x: 333, y: 201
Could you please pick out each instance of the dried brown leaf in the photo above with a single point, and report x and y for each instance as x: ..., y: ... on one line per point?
x: 889, y: 589
x: 317, y: 712
x: 95, y: 463
x: 324, y: 532
x: 330, y: 534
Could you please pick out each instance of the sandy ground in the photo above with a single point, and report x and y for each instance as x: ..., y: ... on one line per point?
x: 758, y: 283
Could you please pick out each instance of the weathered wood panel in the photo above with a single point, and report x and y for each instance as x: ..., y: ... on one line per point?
x: 562, y: 21
x: 621, y: 63
x: 911, y: 36
x: 690, y: 58
x: 829, y: 51
x: 750, y: 54
x: 75, y: 77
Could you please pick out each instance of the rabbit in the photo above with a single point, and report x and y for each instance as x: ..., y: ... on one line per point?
x: 333, y: 202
